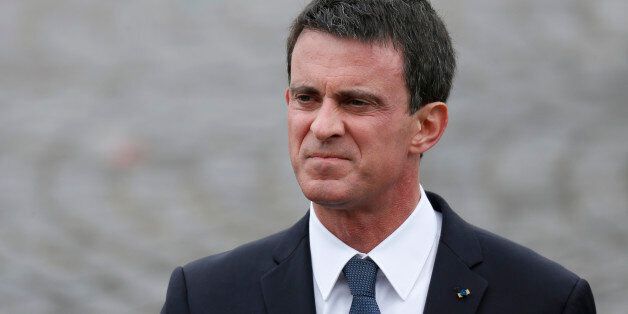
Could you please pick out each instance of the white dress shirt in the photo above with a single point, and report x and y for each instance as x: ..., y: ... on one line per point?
x: 405, y: 260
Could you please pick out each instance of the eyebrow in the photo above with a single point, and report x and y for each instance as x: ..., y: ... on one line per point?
x: 303, y: 89
x: 360, y: 94
x: 343, y: 94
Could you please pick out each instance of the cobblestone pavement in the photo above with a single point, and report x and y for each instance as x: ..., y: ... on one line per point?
x: 138, y: 135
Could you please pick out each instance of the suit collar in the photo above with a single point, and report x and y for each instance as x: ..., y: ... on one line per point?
x: 291, y: 238
x: 458, y: 252
x: 288, y: 287
x: 457, y: 233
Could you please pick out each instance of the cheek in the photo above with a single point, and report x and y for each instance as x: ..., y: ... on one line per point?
x: 380, y: 143
x: 297, y: 130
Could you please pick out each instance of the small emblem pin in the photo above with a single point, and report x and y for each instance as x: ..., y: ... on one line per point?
x: 461, y: 293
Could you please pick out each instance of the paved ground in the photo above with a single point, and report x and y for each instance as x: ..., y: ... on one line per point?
x: 136, y: 136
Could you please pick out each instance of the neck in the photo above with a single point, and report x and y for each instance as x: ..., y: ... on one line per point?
x: 364, y: 226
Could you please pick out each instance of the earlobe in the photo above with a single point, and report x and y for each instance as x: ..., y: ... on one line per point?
x: 431, y: 122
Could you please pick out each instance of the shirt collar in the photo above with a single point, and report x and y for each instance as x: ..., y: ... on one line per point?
x: 401, y: 256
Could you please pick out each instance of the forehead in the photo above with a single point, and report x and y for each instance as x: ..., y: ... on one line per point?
x: 321, y: 54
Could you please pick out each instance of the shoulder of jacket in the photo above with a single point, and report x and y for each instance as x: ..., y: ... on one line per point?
x: 522, y: 263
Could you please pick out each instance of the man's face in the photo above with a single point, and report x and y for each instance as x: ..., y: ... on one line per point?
x: 348, y: 124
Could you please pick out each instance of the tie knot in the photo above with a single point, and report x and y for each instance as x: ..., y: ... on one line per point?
x: 361, y: 275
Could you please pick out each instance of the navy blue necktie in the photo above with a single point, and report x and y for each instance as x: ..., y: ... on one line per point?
x: 361, y: 274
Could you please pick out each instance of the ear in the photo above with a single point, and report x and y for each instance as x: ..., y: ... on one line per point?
x: 431, y: 122
x: 287, y: 95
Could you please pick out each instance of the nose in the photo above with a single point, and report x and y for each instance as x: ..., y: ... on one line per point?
x: 328, y: 122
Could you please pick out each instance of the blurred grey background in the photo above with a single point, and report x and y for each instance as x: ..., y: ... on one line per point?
x: 138, y: 135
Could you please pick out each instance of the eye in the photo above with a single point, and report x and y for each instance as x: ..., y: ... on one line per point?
x: 357, y: 102
x: 303, y: 98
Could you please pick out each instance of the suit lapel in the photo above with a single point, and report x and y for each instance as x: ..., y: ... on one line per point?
x: 288, y: 287
x: 450, y: 273
x: 458, y: 252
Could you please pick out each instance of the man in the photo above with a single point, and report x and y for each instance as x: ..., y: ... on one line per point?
x: 368, y: 81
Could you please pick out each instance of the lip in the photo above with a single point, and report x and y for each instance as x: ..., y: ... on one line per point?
x: 327, y: 156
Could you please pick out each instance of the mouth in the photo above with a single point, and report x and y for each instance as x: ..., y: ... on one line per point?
x: 327, y: 156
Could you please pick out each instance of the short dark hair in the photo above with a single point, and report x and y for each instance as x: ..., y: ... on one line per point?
x: 412, y: 26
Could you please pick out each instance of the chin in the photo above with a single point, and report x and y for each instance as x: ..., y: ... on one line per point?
x: 325, y: 193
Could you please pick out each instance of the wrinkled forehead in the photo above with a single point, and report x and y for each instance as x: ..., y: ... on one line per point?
x: 324, y: 51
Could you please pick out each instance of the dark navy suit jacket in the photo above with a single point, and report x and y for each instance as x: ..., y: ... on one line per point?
x: 274, y: 275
